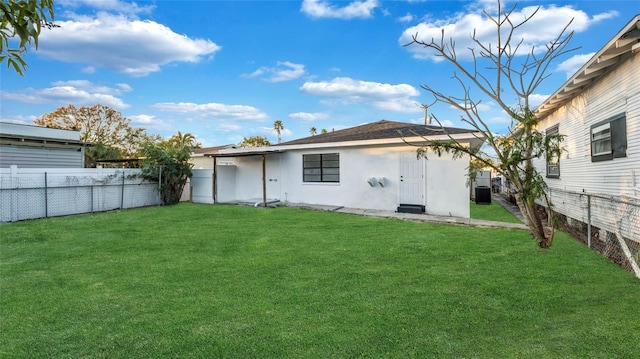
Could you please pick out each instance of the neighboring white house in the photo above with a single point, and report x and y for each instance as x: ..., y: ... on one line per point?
x: 29, y: 146
x: 368, y: 167
x: 598, y: 112
x: 200, y: 156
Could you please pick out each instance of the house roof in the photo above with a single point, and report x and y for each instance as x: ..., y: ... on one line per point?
x: 15, y: 134
x: 372, y: 134
x: 377, y: 131
x: 626, y: 42
x: 199, y: 152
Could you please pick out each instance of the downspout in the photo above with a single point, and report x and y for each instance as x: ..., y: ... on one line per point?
x: 215, y: 180
x: 264, y: 180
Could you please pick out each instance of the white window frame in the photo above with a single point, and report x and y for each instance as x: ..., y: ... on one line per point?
x: 605, y: 138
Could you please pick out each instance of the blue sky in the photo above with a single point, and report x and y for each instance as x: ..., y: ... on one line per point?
x: 224, y: 70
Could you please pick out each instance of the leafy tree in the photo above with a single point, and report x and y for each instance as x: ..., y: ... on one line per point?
x: 98, y: 152
x: 25, y: 19
x: 167, y: 162
x: 277, y: 125
x: 98, y: 124
x: 496, y: 67
x: 187, y: 139
x: 323, y: 131
x: 313, y: 131
x: 254, y: 141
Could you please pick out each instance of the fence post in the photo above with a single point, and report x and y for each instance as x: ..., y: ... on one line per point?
x: 122, y: 192
x: 14, y: 192
x: 589, y: 220
x: 46, y: 196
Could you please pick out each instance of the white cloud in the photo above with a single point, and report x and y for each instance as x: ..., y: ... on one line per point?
x: 284, y: 71
x: 383, y: 96
x: 269, y: 131
x: 574, y: 63
x: 536, y: 99
x: 149, y: 122
x: 323, y: 9
x: 88, y: 70
x: 308, y: 116
x: 398, y: 105
x: 605, y: 16
x: 407, y: 18
x: 545, y: 26
x: 229, y: 127
x: 26, y: 120
x: 216, y: 111
x: 445, y: 123
x: 120, y: 44
x: 77, y: 92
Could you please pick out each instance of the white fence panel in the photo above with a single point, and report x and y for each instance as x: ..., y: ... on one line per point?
x: 27, y: 193
x: 202, y: 186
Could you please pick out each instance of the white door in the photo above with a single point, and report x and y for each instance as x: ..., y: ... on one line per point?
x: 411, y: 179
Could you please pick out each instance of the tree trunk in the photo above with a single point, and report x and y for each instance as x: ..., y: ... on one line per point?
x: 534, y: 222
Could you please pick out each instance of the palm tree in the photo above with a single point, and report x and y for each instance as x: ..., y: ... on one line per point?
x: 277, y: 125
x: 180, y: 140
x: 313, y: 131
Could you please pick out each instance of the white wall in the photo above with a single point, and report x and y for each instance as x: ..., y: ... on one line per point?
x: 618, y: 92
x: 31, y: 157
x: 445, y: 188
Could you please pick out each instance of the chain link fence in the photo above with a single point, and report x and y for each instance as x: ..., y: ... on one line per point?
x: 609, y: 225
x: 31, y: 193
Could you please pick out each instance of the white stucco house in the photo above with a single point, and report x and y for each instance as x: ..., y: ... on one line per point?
x: 30, y: 146
x: 200, y: 157
x: 368, y: 166
x: 596, y: 180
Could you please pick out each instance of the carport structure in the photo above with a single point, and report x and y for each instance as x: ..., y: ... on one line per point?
x: 262, y: 154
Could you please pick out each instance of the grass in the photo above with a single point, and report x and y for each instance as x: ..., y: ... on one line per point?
x: 492, y: 212
x: 206, y: 281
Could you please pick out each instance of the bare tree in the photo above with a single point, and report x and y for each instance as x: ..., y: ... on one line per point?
x: 496, y: 67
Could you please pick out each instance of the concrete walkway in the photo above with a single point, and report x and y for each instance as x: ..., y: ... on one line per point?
x: 419, y: 217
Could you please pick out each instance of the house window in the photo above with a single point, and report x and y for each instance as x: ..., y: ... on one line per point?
x: 609, y: 139
x: 321, y: 167
x: 553, y: 160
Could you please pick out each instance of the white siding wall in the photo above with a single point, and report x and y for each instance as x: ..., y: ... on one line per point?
x: 618, y: 92
x: 445, y: 187
x: 26, y: 157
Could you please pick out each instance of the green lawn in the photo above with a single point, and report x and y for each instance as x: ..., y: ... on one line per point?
x: 203, y: 281
x: 492, y: 212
